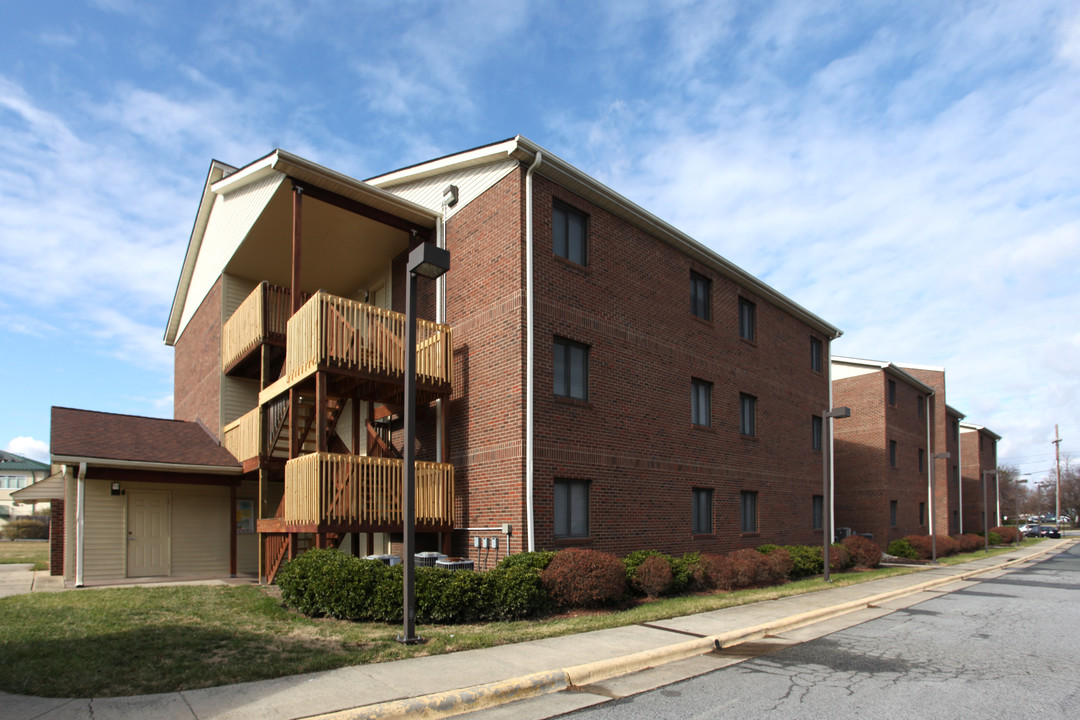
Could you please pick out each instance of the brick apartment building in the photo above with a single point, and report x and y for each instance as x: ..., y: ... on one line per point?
x: 883, y: 451
x: 588, y: 374
x: 978, y: 448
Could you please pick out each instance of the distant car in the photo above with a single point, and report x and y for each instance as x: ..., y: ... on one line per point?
x: 1049, y: 531
x: 1033, y: 531
x: 1064, y: 520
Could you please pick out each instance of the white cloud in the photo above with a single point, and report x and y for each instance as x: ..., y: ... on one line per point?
x: 28, y: 447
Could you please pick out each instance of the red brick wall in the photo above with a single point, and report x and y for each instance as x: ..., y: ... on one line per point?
x: 56, y: 537
x: 946, y: 495
x: 977, y: 461
x: 197, y: 365
x: 632, y: 440
x: 866, y: 483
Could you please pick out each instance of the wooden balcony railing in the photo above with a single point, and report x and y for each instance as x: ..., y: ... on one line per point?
x: 366, y: 491
x: 356, y: 336
x: 243, y: 436
x: 262, y: 317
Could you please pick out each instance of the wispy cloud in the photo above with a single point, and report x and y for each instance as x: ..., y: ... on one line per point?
x: 28, y: 447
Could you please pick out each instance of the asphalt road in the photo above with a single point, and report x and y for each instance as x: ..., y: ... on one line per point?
x: 1004, y: 647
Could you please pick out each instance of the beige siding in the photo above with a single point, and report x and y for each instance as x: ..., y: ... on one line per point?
x: 471, y: 183
x: 200, y: 531
x: 230, y: 221
x: 234, y: 291
x: 105, y: 533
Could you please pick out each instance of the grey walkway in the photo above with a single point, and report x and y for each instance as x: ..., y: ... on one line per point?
x: 446, y: 684
x: 20, y: 579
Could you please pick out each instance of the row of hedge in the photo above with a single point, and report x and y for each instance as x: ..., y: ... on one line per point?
x: 919, y: 547
x: 25, y: 528
x: 333, y: 584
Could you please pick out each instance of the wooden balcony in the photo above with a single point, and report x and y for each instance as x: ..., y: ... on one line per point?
x: 243, y: 436
x: 353, y: 337
x: 328, y: 491
x: 261, y: 318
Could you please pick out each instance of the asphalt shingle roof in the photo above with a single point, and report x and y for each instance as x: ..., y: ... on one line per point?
x: 109, y: 436
x: 11, y: 461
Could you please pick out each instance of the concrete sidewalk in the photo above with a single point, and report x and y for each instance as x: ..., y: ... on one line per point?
x: 21, y: 579
x: 443, y: 685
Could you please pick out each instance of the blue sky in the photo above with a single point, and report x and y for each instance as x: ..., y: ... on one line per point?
x: 908, y: 171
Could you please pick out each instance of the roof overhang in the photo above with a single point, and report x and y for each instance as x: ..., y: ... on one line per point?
x: 51, y: 488
x: 150, y: 466
x: 563, y: 173
x: 972, y: 427
x: 954, y: 412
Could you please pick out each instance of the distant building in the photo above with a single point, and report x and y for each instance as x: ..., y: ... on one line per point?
x: 978, y: 448
x: 17, y: 472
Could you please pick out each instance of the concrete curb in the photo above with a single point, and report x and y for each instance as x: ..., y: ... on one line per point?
x: 455, y: 702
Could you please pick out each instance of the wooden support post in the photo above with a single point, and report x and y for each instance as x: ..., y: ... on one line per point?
x: 294, y: 545
x: 367, y: 544
x: 321, y: 428
x: 357, y: 430
x: 297, y: 206
x: 294, y: 423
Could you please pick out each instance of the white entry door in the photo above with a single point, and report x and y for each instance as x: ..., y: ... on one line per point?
x: 148, y: 534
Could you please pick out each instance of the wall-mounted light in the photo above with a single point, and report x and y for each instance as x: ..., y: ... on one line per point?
x: 450, y: 195
x: 115, y: 489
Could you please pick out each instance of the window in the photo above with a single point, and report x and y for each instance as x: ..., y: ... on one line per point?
x: 819, y: 512
x: 816, y: 428
x: 816, y: 353
x: 571, y: 508
x: 956, y: 431
x: 746, y: 319
x: 955, y: 474
x: 747, y: 413
x: 13, y: 482
x: 892, y: 453
x: 702, y: 521
x: 701, y: 403
x: 922, y: 460
x: 568, y: 231
x: 571, y: 369
x: 748, y: 511
x: 920, y: 406
x: 700, y: 288
x: 922, y: 513
x: 892, y: 513
x: 892, y: 392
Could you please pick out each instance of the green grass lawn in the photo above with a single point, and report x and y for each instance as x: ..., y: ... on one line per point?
x: 36, y: 552
x: 133, y: 641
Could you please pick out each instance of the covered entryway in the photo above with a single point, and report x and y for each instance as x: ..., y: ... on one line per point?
x: 149, y: 538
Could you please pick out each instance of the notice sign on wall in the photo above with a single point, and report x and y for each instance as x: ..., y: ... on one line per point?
x: 245, y: 517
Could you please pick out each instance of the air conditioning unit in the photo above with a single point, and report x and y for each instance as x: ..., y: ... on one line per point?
x: 455, y: 563
x: 385, y: 559
x: 427, y: 559
x: 842, y: 533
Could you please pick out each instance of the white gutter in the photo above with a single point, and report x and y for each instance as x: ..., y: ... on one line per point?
x: 440, y: 317
x: 80, y: 523
x: 529, y: 380
x: 138, y: 464
x: 930, y: 469
x: 832, y: 447
x: 960, y: 476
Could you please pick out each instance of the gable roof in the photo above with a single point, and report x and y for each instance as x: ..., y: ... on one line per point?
x: 131, y: 440
x: 11, y: 461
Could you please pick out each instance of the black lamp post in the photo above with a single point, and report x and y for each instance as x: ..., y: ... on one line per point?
x: 826, y: 510
x: 429, y: 261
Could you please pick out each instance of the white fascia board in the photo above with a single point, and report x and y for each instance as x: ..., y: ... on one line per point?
x: 933, y: 368
x: 953, y: 411
x: 142, y: 465
x: 202, y: 217
x: 972, y: 427
x: 563, y: 173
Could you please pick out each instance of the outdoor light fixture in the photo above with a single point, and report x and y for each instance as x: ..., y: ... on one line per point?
x: 930, y: 482
x: 826, y: 505
x: 115, y: 488
x: 431, y: 262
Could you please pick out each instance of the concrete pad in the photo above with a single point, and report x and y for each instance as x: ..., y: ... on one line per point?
x: 16, y: 579
x: 822, y: 628
x: 23, y: 707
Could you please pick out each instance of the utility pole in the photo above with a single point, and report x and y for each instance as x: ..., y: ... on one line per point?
x: 1057, y: 459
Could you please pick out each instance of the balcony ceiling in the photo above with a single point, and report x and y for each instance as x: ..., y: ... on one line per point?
x: 342, y: 252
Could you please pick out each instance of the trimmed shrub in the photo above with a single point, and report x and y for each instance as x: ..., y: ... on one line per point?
x: 584, y: 578
x: 717, y: 572
x: 993, y: 538
x: 634, y: 560
x: 921, y: 543
x: 1008, y: 534
x: 26, y: 528
x: 750, y: 568
x: 685, y: 574
x: 782, y: 563
x: 865, y: 553
x: 946, y: 546
x: 806, y: 560
x: 902, y: 548
x: 653, y: 577
x: 516, y: 593
x: 329, y: 582
x: 537, y: 560
x: 839, y: 558
x: 968, y: 542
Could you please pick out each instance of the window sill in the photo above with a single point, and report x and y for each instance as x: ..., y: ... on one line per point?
x: 704, y: 321
x: 752, y: 438
x: 575, y: 402
x: 703, y: 536
x: 756, y: 533
x: 748, y: 341
x: 568, y: 263
x: 702, y: 428
x: 572, y: 541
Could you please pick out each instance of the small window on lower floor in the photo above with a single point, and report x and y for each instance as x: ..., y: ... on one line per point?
x: 748, y: 511
x: 922, y: 513
x: 702, y: 509
x: 816, y: 426
x: 571, y: 508
x: 819, y: 512
x: 892, y: 513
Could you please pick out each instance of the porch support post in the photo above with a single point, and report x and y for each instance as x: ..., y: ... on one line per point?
x: 321, y: 429
x: 232, y: 531
x: 294, y: 423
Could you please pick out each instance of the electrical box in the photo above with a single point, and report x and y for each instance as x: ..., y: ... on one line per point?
x: 506, y: 528
x: 494, y: 543
x: 483, y: 543
x: 476, y: 542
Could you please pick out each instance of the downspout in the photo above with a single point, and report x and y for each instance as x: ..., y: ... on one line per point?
x: 80, y: 522
x: 440, y: 317
x: 960, y: 477
x: 529, y: 451
x: 827, y: 430
x: 930, y: 461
